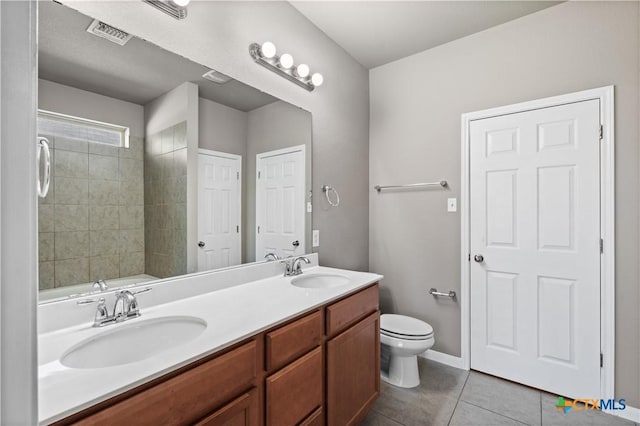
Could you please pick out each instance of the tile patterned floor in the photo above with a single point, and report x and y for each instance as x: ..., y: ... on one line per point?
x: 448, y: 396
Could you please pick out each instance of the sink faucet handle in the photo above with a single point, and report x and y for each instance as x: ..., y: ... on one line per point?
x: 100, y: 284
x: 297, y: 266
x: 90, y: 301
x: 271, y: 256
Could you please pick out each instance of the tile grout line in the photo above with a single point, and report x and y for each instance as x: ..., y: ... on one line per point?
x: 540, y: 398
x: 387, y: 417
x: 459, y: 397
x: 496, y: 413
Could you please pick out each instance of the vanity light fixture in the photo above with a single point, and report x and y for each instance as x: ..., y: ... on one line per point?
x: 174, y: 8
x: 265, y: 55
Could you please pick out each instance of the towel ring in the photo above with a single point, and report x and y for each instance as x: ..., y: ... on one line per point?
x: 326, y: 189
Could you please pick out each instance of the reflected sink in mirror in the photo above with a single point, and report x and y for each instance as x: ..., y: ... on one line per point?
x: 133, y: 342
x: 320, y: 281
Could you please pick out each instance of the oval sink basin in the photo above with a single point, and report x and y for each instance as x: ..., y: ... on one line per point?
x: 320, y: 281
x: 133, y: 342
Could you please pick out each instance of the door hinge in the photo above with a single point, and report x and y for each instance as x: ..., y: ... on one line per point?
x: 601, y: 132
x: 258, y: 229
x: 238, y: 175
x: 258, y: 175
x: 238, y: 229
x: 601, y: 360
x: 601, y: 245
x: 469, y: 257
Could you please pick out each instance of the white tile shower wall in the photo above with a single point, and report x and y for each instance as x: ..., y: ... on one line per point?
x: 165, y: 209
x: 91, y: 224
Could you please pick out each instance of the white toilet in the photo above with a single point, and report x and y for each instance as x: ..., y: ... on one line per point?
x: 404, y: 338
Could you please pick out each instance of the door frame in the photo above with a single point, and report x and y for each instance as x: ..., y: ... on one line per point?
x: 210, y: 152
x: 607, y: 219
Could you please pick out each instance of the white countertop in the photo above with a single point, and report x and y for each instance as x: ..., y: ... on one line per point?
x: 232, y: 315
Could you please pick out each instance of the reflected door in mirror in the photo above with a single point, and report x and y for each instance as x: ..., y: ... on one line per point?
x: 219, y: 214
x: 280, y: 204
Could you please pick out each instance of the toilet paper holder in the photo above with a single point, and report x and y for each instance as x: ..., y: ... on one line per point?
x: 435, y: 292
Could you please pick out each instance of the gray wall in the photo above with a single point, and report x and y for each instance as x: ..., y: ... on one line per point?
x: 218, y: 34
x: 274, y: 126
x: 91, y: 224
x: 18, y: 236
x: 80, y: 103
x: 416, y: 104
x: 222, y: 128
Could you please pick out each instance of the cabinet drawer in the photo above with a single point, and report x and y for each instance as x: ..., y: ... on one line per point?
x: 342, y: 314
x: 242, y: 411
x: 314, y: 419
x: 289, y: 342
x: 295, y: 391
x: 188, y: 397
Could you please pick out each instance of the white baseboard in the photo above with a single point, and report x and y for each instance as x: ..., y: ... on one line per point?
x: 442, y: 358
x: 629, y: 413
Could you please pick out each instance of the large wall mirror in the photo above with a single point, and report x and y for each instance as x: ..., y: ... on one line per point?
x: 160, y: 166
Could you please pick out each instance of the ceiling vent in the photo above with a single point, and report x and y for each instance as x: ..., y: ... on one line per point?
x: 108, y: 32
x: 216, y: 77
x: 171, y: 8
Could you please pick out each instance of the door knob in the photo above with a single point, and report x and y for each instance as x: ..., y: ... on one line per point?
x: 478, y: 258
x: 201, y: 244
x: 296, y: 243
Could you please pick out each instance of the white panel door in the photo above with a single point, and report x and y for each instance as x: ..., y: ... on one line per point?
x: 535, y: 219
x: 280, y: 202
x: 218, y: 210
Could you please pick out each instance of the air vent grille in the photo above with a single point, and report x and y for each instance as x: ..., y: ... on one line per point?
x: 216, y: 77
x: 169, y: 8
x: 108, y: 32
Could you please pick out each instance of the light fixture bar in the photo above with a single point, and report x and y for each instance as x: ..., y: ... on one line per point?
x: 272, y: 64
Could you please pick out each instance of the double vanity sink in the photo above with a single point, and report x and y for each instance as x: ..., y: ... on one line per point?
x: 182, y: 322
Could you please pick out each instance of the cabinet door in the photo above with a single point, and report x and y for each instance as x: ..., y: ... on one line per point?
x: 295, y: 391
x: 242, y: 411
x: 353, y: 372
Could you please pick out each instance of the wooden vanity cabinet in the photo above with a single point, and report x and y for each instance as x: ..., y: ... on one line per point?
x: 353, y: 372
x: 295, y: 392
x: 322, y: 368
x: 242, y: 411
x: 188, y: 397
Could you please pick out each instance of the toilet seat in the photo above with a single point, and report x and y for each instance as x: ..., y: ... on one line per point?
x: 403, y: 327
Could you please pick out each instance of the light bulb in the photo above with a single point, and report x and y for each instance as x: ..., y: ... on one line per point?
x: 302, y: 70
x: 317, y: 79
x: 286, y: 61
x: 181, y: 3
x: 268, y: 49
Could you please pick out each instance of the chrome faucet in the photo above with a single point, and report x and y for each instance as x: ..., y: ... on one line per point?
x: 100, y: 284
x: 292, y: 266
x: 129, y: 306
x: 271, y: 256
x: 125, y: 307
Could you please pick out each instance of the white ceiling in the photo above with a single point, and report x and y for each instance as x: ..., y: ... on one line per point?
x: 378, y: 32
x: 137, y: 72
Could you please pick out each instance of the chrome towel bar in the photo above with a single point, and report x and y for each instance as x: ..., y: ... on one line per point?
x: 435, y: 292
x: 441, y: 183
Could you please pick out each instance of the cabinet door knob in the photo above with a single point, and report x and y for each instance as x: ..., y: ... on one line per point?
x: 201, y: 244
x: 478, y: 258
x: 296, y: 243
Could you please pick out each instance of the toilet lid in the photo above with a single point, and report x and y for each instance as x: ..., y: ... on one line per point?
x: 404, y: 326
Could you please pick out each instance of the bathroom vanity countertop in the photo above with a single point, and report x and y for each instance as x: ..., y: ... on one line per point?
x: 232, y: 315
